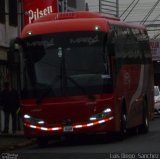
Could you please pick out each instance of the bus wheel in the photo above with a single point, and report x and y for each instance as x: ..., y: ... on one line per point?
x: 42, y: 142
x: 123, y: 131
x: 144, y: 128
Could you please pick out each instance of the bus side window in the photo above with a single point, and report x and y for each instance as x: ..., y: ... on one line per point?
x: 111, y: 49
x: 111, y: 43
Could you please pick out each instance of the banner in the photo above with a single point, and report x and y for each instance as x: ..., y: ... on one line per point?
x: 34, y: 9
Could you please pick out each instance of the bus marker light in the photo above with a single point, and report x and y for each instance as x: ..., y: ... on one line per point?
x: 56, y: 128
x: 29, y: 33
x: 42, y: 128
x: 33, y: 126
x: 101, y: 121
x: 90, y: 124
x: 77, y: 126
x: 97, y: 28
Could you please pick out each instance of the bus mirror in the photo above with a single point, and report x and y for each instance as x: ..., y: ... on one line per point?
x: 15, y: 44
x: 13, y: 53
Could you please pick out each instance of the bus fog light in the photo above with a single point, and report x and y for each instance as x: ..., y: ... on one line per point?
x: 92, y: 118
x: 41, y: 122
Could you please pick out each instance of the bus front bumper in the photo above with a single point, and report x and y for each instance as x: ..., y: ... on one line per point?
x: 101, y: 126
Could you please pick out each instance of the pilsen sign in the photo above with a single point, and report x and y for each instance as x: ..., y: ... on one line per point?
x: 35, y: 9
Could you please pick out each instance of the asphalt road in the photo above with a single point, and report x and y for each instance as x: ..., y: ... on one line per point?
x: 100, y: 146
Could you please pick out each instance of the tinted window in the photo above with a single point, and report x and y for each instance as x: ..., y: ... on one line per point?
x: 74, y: 64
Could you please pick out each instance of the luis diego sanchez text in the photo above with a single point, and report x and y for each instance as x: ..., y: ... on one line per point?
x: 134, y: 155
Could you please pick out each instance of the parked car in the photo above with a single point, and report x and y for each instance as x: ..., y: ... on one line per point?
x: 157, y: 99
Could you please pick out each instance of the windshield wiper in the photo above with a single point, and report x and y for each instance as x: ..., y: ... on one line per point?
x: 90, y: 96
x: 50, y: 87
x: 47, y: 91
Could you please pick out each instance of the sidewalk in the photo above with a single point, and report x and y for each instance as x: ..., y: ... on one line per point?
x: 10, y: 142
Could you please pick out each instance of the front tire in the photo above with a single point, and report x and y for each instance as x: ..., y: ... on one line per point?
x: 144, y: 128
x: 123, y: 131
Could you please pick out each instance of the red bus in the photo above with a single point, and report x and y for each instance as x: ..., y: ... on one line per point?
x: 84, y: 72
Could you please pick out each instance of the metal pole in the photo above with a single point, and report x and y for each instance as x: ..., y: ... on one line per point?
x: 0, y: 120
x: 100, y: 6
x: 19, y: 3
x: 117, y: 8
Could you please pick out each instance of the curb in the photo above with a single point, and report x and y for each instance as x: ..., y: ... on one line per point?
x: 16, y: 146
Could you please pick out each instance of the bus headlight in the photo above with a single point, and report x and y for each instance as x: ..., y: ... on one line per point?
x: 101, y: 115
x: 31, y: 120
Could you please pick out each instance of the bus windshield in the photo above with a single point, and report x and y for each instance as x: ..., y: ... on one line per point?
x: 67, y: 64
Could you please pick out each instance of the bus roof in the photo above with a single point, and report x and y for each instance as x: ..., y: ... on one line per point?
x: 130, y: 25
x: 71, y: 25
x: 72, y: 21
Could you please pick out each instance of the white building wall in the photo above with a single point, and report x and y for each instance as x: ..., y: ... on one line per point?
x: 80, y: 4
x: 2, y: 35
x: 7, y: 32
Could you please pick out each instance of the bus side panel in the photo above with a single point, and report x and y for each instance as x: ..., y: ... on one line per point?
x: 134, y: 83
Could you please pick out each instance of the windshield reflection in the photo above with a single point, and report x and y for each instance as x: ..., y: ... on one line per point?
x: 69, y: 70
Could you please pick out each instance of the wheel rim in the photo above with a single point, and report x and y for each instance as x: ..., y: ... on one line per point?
x: 146, y: 121
x: 124, y: 129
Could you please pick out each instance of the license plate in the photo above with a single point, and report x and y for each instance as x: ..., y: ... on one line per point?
x: 67, y: 128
